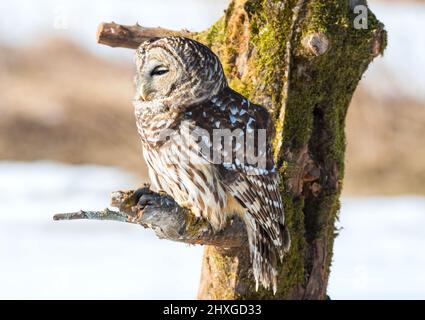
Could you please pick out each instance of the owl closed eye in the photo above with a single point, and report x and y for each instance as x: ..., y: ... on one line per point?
x: 157, y: 75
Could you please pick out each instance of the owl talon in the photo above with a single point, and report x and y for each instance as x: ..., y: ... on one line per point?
x: 147, y: 199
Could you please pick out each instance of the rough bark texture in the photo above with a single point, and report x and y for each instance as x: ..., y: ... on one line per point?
x: 117, y: 35
x: 302, y: 59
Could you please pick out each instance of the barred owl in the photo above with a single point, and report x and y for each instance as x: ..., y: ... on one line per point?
x: 194, y: 131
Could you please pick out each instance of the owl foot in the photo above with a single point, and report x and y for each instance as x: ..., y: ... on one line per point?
x: 148, y: 198
x: 145, y: 197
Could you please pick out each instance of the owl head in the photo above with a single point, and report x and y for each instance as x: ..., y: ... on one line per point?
x: 177, y: 71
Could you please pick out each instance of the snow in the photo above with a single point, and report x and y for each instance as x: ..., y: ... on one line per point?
x: 43, y: 259
x: 379, y: 253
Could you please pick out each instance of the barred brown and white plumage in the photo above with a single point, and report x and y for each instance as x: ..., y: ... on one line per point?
x: 195, y: 131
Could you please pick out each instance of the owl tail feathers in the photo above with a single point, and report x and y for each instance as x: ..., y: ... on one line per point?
x: 266, y: 249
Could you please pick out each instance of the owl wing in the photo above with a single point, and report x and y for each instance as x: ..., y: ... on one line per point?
x: 260, y: 196
x: 255, y: 188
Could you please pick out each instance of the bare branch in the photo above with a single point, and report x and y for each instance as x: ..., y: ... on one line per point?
x: 105, y: 214
x: 165, y: 217
x: 116, y: 35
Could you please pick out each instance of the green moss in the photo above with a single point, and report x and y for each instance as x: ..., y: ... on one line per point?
x: 194, y: 225
x: 292, y: 271
x: 270, y: 30
x: 223, y: 292
x: 215, y: 36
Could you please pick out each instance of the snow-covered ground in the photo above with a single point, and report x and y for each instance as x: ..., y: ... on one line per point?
x: 379, y: 254
x: 40, y: 258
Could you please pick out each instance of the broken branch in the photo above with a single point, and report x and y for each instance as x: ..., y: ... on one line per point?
x: 117, y: 35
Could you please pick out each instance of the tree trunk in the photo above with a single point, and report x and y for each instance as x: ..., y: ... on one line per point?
x: 302, y: 60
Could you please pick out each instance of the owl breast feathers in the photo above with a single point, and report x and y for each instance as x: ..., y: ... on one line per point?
x: 209, y: 147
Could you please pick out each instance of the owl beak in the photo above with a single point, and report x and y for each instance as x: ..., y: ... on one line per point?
x: 144, y: 93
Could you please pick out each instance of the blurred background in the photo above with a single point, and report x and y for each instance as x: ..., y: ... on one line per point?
x: 68, y: 138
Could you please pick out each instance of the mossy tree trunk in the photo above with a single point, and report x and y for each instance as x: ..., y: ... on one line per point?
x: 303, y: 60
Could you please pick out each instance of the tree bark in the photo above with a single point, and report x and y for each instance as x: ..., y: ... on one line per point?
x: 302, y: 59
x: 117, y: 35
